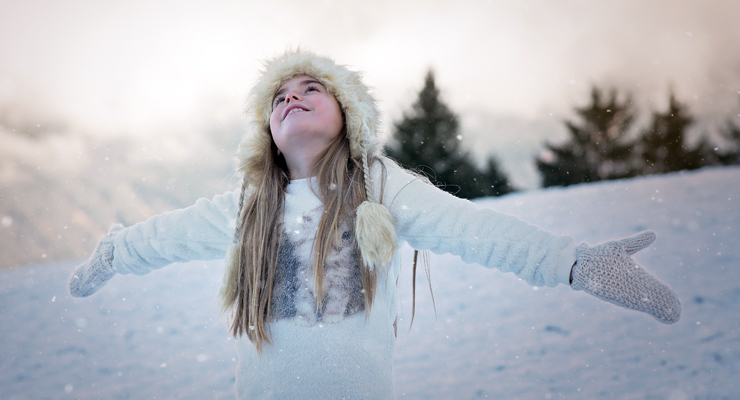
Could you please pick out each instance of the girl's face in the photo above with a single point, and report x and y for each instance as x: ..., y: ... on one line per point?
x: 305, y: 119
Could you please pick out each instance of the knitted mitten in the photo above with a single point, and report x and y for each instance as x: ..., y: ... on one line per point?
x: 97, y: 270
x: 608, y: 272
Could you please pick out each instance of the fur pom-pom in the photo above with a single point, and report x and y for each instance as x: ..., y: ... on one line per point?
x: 227, y: 294
x: 375, y: 234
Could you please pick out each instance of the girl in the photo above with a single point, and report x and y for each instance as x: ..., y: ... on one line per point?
x: 311, y: 241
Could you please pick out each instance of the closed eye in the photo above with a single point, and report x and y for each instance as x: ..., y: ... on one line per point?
x: 310, y: 86
x: 277, y: 101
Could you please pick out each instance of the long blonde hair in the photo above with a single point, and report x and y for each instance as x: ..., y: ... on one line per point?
x: 340, y: 187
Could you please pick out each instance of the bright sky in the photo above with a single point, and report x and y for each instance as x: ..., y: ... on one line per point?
x: 133, y: 67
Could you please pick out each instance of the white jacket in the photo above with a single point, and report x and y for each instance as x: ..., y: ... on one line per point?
x: 336, y: 352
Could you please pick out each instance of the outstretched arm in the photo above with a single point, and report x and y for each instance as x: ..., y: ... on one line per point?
x: 430, y: 219
x: 202, y: 231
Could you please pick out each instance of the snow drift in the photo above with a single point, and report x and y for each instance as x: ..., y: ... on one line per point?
x: 493, y: 336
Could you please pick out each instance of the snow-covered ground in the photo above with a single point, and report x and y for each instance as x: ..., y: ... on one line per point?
x: 160, y: 336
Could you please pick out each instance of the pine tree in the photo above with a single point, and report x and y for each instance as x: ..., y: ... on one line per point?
x: 597, y: 148
x: 428, y: 139
x: 663, y: 146
x: 731, y: 133
x: 731, y: 156
x: 495, y: 182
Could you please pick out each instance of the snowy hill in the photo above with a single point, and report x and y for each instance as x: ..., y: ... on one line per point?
x: 160, y: 336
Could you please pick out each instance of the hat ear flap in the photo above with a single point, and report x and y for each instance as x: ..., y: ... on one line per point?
x: 374, y: 230
x: 253, y: 160
x: 375, y: 234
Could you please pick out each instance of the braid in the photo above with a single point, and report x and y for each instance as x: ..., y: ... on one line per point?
x: 239, y: 211
x: 366, y: 175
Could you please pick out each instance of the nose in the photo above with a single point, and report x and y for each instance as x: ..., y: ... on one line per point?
x: 292, y: 96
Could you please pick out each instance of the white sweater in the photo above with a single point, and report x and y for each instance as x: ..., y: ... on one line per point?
x: 337, y: 352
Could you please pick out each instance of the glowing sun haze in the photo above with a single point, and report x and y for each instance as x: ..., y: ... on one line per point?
x: 135, y: 67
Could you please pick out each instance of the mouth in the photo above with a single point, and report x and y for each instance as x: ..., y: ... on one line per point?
x: 293, y: 109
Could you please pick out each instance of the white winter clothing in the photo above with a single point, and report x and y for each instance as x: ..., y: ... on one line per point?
x: 336, y: 352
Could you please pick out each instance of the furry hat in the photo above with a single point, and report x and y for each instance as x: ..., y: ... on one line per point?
x: 374, y: 230
x: 358, y: 105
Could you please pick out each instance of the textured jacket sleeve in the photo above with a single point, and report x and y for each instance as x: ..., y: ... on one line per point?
x: 428, y: 218
x: 202, y: 231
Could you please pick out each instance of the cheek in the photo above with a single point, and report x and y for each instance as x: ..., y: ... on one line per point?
x: 275, y: 121
x: 336, y: 118
x: 275, y: 128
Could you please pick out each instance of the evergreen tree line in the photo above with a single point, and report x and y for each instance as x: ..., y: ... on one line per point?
x: 599, y: 146
x: 427, y: 139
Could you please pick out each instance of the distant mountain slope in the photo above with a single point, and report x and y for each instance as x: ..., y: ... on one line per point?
x: 61, y: 192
